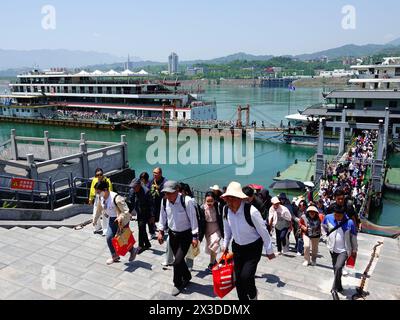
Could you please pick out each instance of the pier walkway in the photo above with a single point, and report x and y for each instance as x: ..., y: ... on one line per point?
x: 78, y: 258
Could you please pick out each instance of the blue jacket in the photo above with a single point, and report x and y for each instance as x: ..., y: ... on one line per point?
x: 349, y: 230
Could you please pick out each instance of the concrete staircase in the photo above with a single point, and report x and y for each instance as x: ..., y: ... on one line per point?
x: 78, y: 259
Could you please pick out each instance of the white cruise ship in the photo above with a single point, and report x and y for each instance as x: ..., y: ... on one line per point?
x: 45, y: 93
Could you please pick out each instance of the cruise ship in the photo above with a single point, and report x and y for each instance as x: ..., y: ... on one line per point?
x: 47, y: 94
x: 374, y: 89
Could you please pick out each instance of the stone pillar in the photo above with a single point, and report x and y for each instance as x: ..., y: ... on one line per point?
x: 85, y: 160
x: 47, y: 147
x: 14, y: 146
x: 342, y: 132
x: 125, y: 157
x: 83, y: 138
x: 319, y: 168
x: 33, y: 173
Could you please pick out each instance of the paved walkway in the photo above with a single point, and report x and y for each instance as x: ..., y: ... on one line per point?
x: 30, y: 257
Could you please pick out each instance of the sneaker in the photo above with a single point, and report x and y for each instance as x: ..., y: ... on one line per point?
x: 345, y: 273
x: 306, y: 263
x: 299, y: 254
x: 98, y: 231
x: 132, y: 257
x: 113, y: 260
x: 313, y: 263
x: 285, y: 250
x: 176, y: 291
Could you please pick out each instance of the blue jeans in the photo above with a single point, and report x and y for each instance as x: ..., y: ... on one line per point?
x: 281, y: 238
x: 111, y: 232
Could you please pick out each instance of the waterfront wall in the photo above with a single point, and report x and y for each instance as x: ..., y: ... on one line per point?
x: 321, y: 82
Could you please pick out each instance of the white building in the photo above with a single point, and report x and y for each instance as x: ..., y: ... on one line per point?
x: 173, y: 62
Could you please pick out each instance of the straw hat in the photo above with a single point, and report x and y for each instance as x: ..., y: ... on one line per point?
x: 234, y: 190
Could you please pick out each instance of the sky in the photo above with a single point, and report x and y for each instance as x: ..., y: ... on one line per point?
x: 202, y: 29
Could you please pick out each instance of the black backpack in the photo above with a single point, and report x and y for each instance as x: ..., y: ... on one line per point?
x: 199, y: 216
x: 247, y: 214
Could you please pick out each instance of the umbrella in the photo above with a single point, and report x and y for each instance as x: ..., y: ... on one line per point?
x: 287, y: 185
x: 256, y: 186
x: 309, y: 184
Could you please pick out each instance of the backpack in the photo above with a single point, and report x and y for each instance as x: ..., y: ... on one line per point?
x: 199, y: 216
x: 247, y: 214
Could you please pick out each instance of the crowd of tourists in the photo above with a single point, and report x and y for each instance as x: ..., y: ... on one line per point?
x: 243, y: 220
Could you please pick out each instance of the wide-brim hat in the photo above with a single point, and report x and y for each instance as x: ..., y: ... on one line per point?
x: 234, y: 190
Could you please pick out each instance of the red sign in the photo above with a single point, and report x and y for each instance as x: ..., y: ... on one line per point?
x: 22, y: 184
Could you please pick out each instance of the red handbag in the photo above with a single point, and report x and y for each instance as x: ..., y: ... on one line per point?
x: 351, y: 262
x: 224, y: 276
x: 123, y: 241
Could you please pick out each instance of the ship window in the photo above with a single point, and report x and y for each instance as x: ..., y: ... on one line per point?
x: 397, y: 72
x: 368, y: 104
x: 100, y: 90
x: 17, y: 110
x: 392, y: 104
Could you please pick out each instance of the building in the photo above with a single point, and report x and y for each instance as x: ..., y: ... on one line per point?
x: 194, y: 71
x: 173, y: 63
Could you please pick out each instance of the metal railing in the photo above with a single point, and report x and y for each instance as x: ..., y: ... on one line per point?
x: 40, y: 195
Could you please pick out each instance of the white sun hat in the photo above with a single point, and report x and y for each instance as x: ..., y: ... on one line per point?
x: 235, y: 190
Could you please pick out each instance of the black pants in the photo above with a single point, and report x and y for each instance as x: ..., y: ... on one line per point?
x: 143, y: 236
x: 180, y: 243
x: 338, y: 262
x: 246, y: 259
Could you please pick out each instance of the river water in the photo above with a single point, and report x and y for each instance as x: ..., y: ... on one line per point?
x: 268, y: 105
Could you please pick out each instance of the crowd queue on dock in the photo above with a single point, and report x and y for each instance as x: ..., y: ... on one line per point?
x: 243, y: 220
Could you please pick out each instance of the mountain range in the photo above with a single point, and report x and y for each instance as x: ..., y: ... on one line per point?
x: 13, y: 61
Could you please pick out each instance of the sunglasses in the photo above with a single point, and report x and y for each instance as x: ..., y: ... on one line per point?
x: 99, y: 175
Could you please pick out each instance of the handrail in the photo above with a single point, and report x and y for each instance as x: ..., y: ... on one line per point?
x: 118, y: 146
x: 58, y: 160
x: 2, y: 144
x: 15, y: 164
